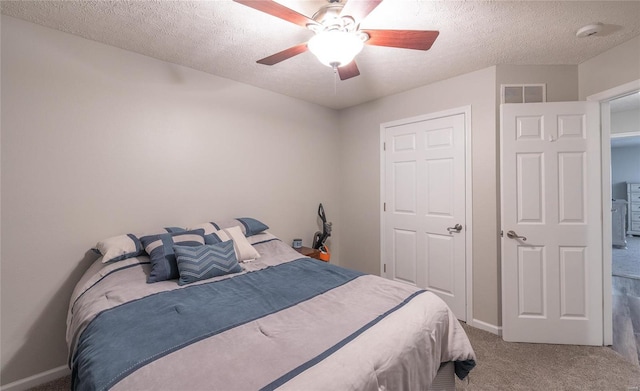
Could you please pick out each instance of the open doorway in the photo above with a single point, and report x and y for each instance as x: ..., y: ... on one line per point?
x: 625, y: 251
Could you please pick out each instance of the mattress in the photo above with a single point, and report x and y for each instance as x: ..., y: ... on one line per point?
x: 285, y: 322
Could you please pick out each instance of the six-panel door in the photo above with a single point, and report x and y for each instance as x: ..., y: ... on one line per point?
x: 425, y: 200
x: 552, y: 281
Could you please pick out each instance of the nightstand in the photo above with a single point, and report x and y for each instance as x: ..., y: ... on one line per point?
x: 309, y: 252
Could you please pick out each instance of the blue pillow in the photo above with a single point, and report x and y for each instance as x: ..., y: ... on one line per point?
x: 252, y: 226
x: 121, y: 247
x: 248, y: 226
x: 160, y: 250
x: 208, y: 261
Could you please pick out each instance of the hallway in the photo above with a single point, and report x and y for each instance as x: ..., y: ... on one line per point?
x: 626, y: 300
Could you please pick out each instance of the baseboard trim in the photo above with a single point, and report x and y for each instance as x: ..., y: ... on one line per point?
x: 491, y: 328
x: 37, y: 379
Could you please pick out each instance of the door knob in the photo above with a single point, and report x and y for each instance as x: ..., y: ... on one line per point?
x: 513, y: 235
x: 455, y: 228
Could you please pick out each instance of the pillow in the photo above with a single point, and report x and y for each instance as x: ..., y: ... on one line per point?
x: 248, y: 225
x: 203, y: 262
x: 244, y: 249
x: 160, y: 250
x: 121, y: 247
x: 208, y: 228
x: 252, y: 226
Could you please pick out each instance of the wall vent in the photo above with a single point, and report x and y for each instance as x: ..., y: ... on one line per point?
x: 523, y: 93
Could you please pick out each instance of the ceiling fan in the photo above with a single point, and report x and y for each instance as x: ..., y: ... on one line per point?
x: 338, y: 37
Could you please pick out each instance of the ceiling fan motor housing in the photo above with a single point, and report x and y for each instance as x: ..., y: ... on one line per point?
x: 328, y: 18
x: 338, y: 37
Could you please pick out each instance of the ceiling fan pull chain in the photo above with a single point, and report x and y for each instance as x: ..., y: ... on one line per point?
x: 335, y: 81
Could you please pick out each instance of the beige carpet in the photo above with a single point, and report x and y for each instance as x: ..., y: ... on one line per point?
x: 522, y: 366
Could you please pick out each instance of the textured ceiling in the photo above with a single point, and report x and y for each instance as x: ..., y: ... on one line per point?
x: 225, y: 39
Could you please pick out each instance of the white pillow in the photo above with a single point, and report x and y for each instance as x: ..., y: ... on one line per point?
x: 244, y: 250
x: 125, y: 246
x: 118, y: 248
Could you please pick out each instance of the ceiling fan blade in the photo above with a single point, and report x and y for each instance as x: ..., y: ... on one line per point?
x: 278, y: 10
x: 283, y: 55
x: 348, y: 71
x: 406, y: 39
x: 359, y: 9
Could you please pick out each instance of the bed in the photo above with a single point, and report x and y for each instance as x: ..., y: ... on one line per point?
x: 284, y: 322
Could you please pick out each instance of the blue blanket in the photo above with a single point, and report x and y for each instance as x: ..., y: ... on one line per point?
x: 121, y: 340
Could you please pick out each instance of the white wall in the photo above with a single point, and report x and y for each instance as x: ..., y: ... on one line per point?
x: 627, y: 121
x: 97, y: 141
x: 610, y: 69
x: 625, y: 167
x: 360, y: 181
x: 625, y: 161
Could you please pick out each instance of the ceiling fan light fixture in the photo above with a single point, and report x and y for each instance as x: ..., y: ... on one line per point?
x: 335, y: 48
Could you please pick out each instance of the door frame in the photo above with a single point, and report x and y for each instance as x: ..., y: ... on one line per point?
x: 604, y: 98
x: 466, y: 110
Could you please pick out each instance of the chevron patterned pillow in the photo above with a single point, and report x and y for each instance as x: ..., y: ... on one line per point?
x: 244, y: 250
x: 207, y: 261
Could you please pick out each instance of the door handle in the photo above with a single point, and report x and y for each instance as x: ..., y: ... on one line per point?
x: 456, y: 228
x: 513, y: 235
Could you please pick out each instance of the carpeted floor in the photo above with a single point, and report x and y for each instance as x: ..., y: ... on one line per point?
x: 522, y: 366
x: 626, y: 262
x: 626, y: 318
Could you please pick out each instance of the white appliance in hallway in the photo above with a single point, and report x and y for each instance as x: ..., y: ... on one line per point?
x: 618, y: 223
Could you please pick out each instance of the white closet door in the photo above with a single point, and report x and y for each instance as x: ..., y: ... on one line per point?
x: 424, y: 219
